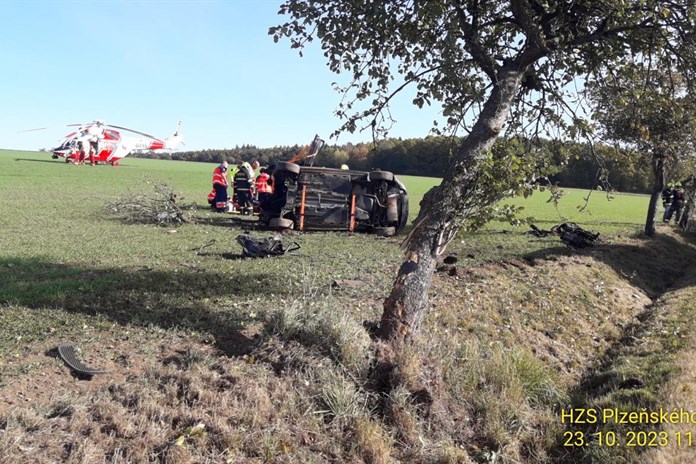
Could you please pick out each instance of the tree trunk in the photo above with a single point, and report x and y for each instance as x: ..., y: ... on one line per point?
x: 443, y: 210
x: 659, y: 173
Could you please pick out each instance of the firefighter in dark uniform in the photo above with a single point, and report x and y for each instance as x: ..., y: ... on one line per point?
x: 678, y: 199
x: 667, y: 195
x: 242, y: 189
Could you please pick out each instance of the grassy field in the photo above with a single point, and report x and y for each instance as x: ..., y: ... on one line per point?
x: 218, y: 359
x: 606, y: 213
x: 63, y: 205
x: 55, y: 224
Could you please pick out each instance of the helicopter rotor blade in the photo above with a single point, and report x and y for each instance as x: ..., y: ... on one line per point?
x: 133, y: 131
x: 50, y: 127
x: 98, y: 123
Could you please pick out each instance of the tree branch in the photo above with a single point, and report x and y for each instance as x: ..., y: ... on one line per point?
x: 473, y: 46
x: 521, y: 12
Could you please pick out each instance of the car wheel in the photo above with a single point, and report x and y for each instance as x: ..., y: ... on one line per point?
x: 384, y: 231
x: 281, y: 223
x: 288, y: 167
x: 382, y: 175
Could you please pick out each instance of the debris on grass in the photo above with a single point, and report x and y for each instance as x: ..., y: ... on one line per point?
x: 257, y: 248
x: 447, y: 264
x: 537, y: 232
x: 570, y: 233
x: 348, y: 283
x: 161, y: 207
x: 575, y: 236
x: 68, y: 355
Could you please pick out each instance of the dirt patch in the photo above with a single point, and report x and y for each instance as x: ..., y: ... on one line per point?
x: 40, y: 367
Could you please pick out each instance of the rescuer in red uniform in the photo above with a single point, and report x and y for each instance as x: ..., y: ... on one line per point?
x: 220, y: 185
x: 263, y: 186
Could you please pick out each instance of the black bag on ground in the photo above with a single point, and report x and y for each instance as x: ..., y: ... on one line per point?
x: 257, y: 248
x: 575, y: 236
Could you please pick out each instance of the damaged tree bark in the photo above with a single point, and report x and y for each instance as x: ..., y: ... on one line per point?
x: 444, y: 209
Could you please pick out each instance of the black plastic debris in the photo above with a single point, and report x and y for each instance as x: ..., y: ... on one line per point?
x: 575, y: 236
x: 262, y: 248
x: 570, y: 233
x: 537, y: 232
x: 69, y: 356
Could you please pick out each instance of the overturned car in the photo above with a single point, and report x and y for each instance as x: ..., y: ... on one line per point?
x: 316, y: 198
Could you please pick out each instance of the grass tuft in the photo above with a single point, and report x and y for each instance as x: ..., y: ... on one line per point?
x: 316, y: 323
x: 373, y: 446
x: 338, y: 399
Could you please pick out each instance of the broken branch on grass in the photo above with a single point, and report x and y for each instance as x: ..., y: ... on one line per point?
x: 159, y: 207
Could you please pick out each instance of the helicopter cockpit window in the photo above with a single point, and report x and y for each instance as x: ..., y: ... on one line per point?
x: 70, y: 143
x: 111, y: 135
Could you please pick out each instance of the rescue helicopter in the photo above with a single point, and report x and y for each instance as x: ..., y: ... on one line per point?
x: 109, y: 143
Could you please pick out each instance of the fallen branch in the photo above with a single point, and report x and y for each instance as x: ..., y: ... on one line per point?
x: 159, y: 207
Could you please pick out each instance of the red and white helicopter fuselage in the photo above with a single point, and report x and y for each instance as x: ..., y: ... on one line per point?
x: 110, y: 142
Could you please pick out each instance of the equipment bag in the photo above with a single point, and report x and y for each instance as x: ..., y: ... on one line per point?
x: 575, y: 236
x: 255, y: 248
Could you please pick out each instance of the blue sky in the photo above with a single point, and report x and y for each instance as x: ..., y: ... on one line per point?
x: 148, y: 64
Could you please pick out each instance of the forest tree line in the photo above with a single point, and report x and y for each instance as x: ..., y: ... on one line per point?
x: 570, y: 165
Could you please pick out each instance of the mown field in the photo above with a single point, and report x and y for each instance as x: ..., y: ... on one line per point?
x: 217, y: 359
x: 56, y: 225
x: 63, y: 206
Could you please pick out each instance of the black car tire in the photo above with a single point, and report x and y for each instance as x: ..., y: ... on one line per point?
x: 281, y: 223
x: 384, y: 231
x: 284, y: 166
x: 382, y: 175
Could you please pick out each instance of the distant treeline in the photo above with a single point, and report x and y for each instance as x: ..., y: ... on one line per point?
x: 574, y: 167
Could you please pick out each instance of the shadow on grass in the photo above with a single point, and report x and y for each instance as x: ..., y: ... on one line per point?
x: 41, y: 160
x: 194, y: 299
x: 657, y: 265
x: 194, y: 215
x: 227, y: 220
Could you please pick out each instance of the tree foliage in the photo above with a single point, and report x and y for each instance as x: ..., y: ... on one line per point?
x: 650, y: 110
x: 452, y: 52
x: 645, y: 105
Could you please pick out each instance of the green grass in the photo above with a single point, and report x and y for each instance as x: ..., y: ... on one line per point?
x: 60, y: 249
x: 53, y: 213
x: 71, y: 271
x: 606, y: 213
